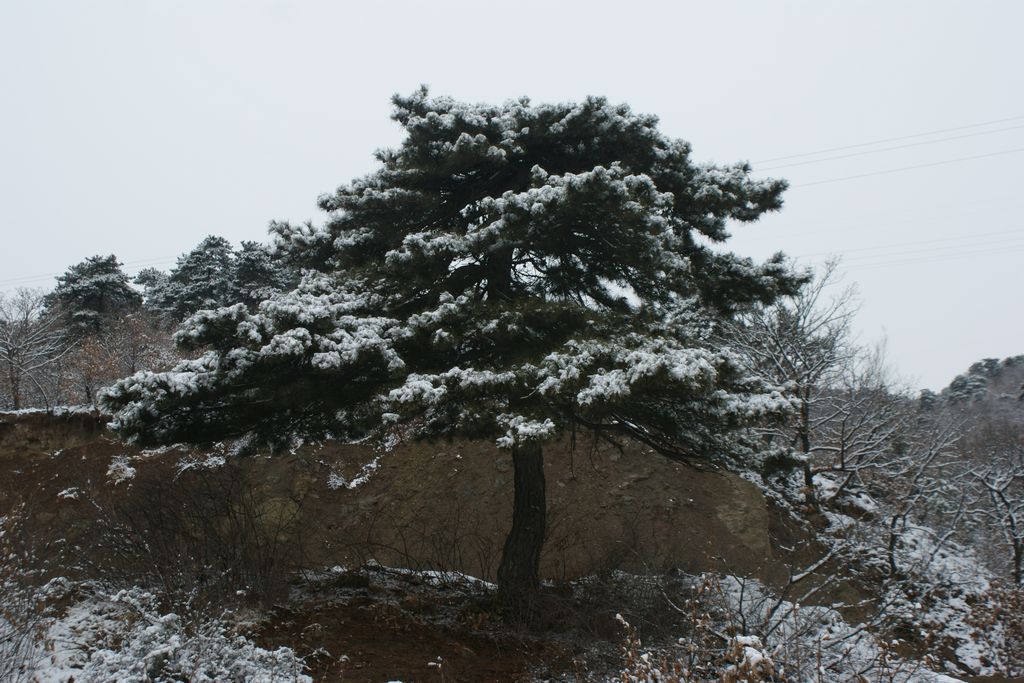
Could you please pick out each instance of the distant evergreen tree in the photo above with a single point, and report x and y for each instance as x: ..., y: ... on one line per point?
x: 92, y: 292
x: 257, y: 275
x: 987, y: 380
x: 969, y: 387
x: 150, y: 279
x: 201, y: 279
x: 927, y: 400
x: 987, y: 367
x: 511, y: 272
x: 154, y: 283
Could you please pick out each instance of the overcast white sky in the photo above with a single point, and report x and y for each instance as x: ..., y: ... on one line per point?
x: 139, y: 127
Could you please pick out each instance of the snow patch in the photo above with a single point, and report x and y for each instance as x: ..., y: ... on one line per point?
x: 120, y: 470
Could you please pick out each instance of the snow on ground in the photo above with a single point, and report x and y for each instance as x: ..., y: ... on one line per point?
x: 71, y: 493
x: 814, y: 637
x: 57, y: 411
x: 336, y: 480
x: 435, y: 577
x: 776, y: 638
x: 205, y: 461
x: 120, y: 470
x: 938, y: 588
x: 107, y: 635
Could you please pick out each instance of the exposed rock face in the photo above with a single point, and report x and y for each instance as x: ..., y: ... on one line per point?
x: 441, y: 505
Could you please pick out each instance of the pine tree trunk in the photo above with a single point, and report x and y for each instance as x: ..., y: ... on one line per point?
x: 499, y: 275
x: 519, y: 572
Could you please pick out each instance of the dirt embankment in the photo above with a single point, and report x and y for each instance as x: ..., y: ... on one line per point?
x: 203, y: 526
x: 444, y: 505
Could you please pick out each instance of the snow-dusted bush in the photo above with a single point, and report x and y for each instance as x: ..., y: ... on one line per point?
x: 774, y: 640
x: 120, y: 470
x: 749, y: 664
x: 123, y: 636
x: 742, y: 660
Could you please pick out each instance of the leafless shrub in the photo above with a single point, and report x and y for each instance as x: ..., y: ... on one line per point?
x: 211, y: 537
x: 421, y: 541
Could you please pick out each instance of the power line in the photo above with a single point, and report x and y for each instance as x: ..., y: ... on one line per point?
x: 889, y: 149
x: 25, y: 280
x: 884, y: 140
x: 924, y: 252
x: 28, y: 279
x: 919, y: 255
x: 1018, y: 234
x: 910, y: 168
x: 39, y: 278
x: 936, y: 258
x: 898, y: 217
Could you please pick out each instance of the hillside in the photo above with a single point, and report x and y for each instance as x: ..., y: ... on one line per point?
x: 511, y: 411
x: 990, y: 379
x: 311, y: 535
x: 611, y: 508
x: 442, y: 506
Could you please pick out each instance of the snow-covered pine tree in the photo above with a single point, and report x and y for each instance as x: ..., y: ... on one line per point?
x: 201, y: 279
x: 151, y: 280
x: 91, y: 293
x: 256, y: 275
x: 510, y: 272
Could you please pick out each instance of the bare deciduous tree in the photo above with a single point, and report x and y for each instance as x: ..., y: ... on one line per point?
x: 31, y: 341
x: 993, y: 465
x: 920, y: 483
x: 119, y: 348
x: 1005, y: 490
x: 848, y: 411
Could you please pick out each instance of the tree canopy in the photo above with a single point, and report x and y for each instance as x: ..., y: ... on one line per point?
x: 201, y: 279
x: 213, y: 275
x: 91, y: 293
x: 507, y: 272
x: 510, y: 273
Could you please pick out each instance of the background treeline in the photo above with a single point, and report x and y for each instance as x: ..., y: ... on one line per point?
x: 895, y: 463
x: 60, y: 347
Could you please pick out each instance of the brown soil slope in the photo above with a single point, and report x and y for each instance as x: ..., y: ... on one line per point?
x: 425, y: 505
